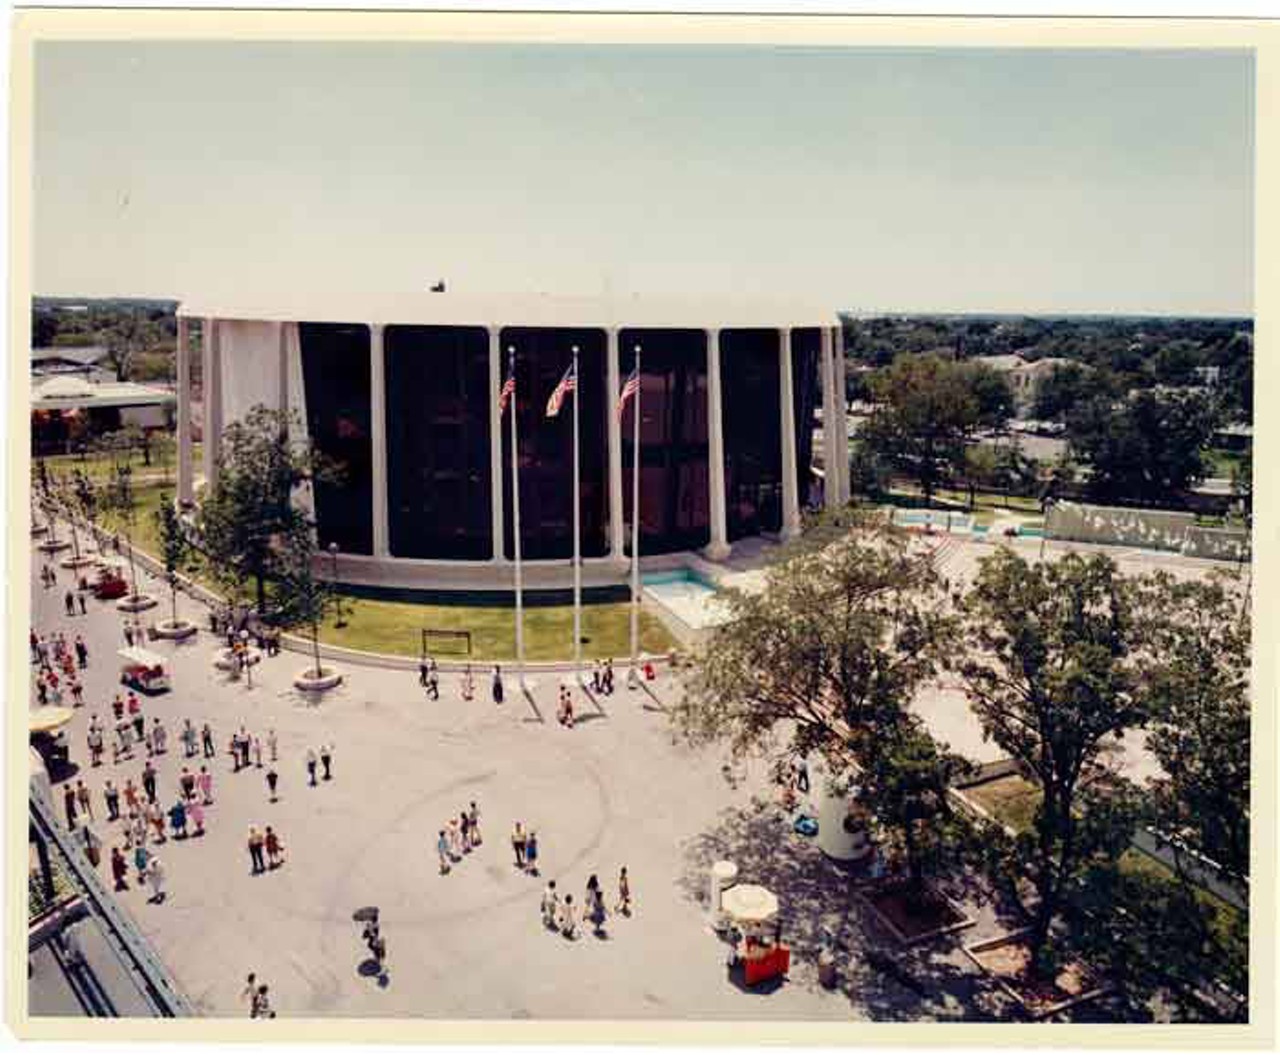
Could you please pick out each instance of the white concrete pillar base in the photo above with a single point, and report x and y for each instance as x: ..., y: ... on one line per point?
x: 717, y: 551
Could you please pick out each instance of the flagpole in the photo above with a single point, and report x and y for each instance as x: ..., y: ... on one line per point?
x: 515, y: 520
x: 577, y: 530
x: 633, y: 678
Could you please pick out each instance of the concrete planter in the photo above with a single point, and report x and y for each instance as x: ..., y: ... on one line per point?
x: 82, y: 561
x: 226, y: 658
x: 1053, y: 998
x: 952, y: 917
x: 140, y: 603
x: 308, y: 681
x: 38, y: 530
x: 54, y: 545
x: 171, y: 631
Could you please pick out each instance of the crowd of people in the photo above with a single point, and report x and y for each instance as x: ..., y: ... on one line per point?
x: 459, y: 836
x: 560, y: 914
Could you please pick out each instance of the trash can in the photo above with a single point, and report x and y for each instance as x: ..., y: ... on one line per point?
x: 723, y: 874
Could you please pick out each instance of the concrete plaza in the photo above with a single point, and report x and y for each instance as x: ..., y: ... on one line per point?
x: 616, y: 790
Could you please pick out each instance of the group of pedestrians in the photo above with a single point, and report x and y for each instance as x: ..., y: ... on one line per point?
x: 429, y: 680
x: 525, y: 845
x: 266, y: 852
x: 602, y: 677
x: 459, y: 836
x: 257, y: 997
x: 560, y: 914
x: 58, y: 664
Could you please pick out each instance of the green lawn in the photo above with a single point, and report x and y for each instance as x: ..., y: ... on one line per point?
x: 395, y: 627
x: 1220, y: 462
x: 1010, y: 800
x: 98, y: 466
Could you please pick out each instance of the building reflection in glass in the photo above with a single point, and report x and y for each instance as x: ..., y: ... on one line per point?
x: 336, y: 378
x: 674, y: 485
x: 438, y: 472
x: 546, y: 444
x: 752, y: 409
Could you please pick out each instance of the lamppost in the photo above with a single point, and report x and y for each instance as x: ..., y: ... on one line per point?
x: 338, y: 622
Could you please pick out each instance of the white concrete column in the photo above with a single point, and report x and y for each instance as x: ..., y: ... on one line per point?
x: 718, y: 548
x: 830, y: 464
x: 837, y: 352
x: 787, y: 423
x: 495, y: 441
x: 211, y: 382
x: 378, y: 428
x: 282, y: 335
x: 613, y: 374
x: 186, y: 485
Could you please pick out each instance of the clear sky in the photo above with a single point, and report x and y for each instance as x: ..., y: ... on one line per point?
x: 862, y: 179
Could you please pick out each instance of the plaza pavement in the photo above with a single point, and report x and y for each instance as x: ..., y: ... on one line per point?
x: 618, y: 789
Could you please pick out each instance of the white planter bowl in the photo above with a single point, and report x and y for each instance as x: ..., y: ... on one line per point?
x: 306, y: 680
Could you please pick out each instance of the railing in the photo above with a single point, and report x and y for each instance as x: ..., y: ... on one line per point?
x: 134, y: 952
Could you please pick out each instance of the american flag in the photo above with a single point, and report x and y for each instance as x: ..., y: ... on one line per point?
x: 508, y: 391
x: 629, y: 389
x: 567, y: 384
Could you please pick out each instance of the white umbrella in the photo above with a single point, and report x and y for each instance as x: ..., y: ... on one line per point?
x: 748, y: 903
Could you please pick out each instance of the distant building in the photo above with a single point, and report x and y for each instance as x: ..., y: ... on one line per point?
x: 1024, y: 376
x: 66, y: 408
x: 86, y: 361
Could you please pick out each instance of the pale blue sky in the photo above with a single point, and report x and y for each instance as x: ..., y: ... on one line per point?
x: 920, y: 180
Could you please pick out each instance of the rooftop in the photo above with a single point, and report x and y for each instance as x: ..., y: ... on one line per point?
x: 63, y: 392
x: 517, y: 309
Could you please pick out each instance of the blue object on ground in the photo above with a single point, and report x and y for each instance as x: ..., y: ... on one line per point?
x: 806, y: 826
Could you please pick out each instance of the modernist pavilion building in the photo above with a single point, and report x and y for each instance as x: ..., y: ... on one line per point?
x: 402, y: 391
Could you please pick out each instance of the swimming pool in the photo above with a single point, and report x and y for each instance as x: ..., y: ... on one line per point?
x: 946, y: 521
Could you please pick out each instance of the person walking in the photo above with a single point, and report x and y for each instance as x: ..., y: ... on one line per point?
x: 70, y: 602
x: 423, y: 671
x: 273, y: 745
x: 272, y: 777
x: 77, y: 692
x: 550, y: 905
x: 594, y: 906
x: 256, y: 842
x: 249, y: 991
x: 156, y: 878
x: 275, y: 852
x: 112, y: 795
x: 206, y: 737
x: 82, y: 652
x: 473, y: 818
x: 497, y: 683
x: 205, y: 781
x: 155, y: 817
x: 95, y: 744
x: 141, y: 856
x: 128, y: 634
x: 531, y: 853
x: 130, y: 795
x: 608, y: 676
x: 464, y: 823
x: 311, y: 767
x: 82, y: 797
x: 326, y: 759
x: 178, y: 818
x: 433, y: 680
x: 188, y: 737
x: 80, y: 598
x: 442, y: 848
x: 187, y: 784
x: 257, y: 753
x: 624, y: 892
x: 140, y: 728
x: 149, y: 780
x: 159, y: 737
x: 468, y: 685
x: 196, y: 812
x: 69, y: 804
x: 119, y: 869
x: 261, y: 1007
x: 568, y: 918
x: 518, y: 840
x: 801, y: 770
x: 455, y: 842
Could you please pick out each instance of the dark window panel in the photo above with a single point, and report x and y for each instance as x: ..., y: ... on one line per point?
x: 438, y: 472
x: 805, y: 347
x: 751, y: 403
x: 336, y: 376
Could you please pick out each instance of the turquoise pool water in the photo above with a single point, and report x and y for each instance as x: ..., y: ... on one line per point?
x: 916, y: 517
x: 679, y: 575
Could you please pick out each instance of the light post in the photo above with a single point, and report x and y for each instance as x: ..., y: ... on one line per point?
x: 338, y: 621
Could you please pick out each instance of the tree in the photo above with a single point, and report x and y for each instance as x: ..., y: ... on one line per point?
x: 175, y: 547
x: 925, y: 412
x: 1196, y: 685
x: 829, y: 655
x: 303, y: 598
x: 991, y: 393
x: 129, y: 333
x: 245, y: 517
x: 121, y: 501
x: 1146, y: 448
x: 1175, y: 363
x: 1051, y: 678
x: 981, y: 468
x: 1067, y: 386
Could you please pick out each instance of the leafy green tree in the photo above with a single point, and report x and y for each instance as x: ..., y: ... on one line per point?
x: 175, y: 547
x: 1175, y: 363
x: 1051, y: 678
x: 121, y: 500
x: 129, y: 333
x: 828, y: 656
x: 869, y: 474
x: 1147, y: 448
x: 245, y: 519
x: 992, y: 394
x: 302, y: 597
x: 981, y: 468
x: 925, y: 412
x: 1067, y: 386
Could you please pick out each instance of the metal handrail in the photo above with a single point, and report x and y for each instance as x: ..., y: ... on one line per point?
x: 154, y: 979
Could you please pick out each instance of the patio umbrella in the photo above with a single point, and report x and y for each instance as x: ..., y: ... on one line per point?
x: 748, y: 903
x: 50, y: 719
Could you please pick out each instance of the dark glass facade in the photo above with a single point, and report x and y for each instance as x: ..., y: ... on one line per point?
x: 546, y: 444
x: 752, y: 408
x: 806, y: 346
x: 438, y: 473
x: 674, y: 477
x: 336, y: 378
